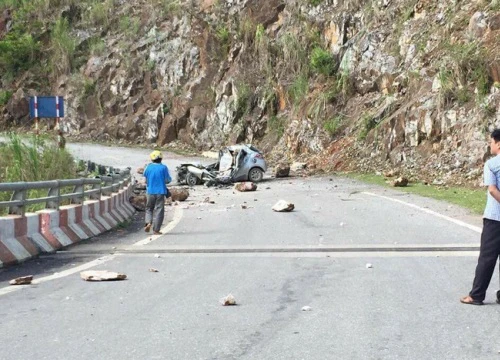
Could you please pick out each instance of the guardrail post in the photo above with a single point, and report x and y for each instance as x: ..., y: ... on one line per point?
x: 80, y: 191
x: 18, y: 195
x: 116, y: 182
x: 108, y: 182
x: 96, y: 196
x: 54, y: 192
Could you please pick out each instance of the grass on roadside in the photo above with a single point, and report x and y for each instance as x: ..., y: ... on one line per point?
x: 472, y: 199
x: 34, y: 159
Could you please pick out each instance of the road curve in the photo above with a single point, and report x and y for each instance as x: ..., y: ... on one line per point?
x: 421, y: 252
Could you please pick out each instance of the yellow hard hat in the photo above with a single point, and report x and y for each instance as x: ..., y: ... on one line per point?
x: 156, y: 155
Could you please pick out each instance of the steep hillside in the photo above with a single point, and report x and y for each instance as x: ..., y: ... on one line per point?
x: 367, y: 85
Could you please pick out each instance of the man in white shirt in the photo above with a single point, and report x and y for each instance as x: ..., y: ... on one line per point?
x: 490, y: 237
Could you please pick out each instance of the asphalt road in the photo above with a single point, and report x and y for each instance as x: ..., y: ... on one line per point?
x: 404, y: 307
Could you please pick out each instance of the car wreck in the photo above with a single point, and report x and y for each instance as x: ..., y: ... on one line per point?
x: 235, y: 163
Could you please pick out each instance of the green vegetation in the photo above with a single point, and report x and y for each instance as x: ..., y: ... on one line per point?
x: 99, y: 12
x: 472, y: 199
x: 465, y: 64
x: 294, y: 56
x: 129, y: 26
x: 223, y: 35
x: 276, y: 125
x: 64, y: 46
x: 315, y: 2
x: 298, y: 90
x: 34, y: 161
x: 5, y: 96
x: 170, y: 7
x: 89, y: 87
x: 368, y: 122
x: 243, y: 95
x: 333, y: 125
x: 97, y: 46
x: 322, y: 61
x: 18, y: 51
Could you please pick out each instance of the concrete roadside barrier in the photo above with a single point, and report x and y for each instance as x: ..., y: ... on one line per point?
x: 23, y: 237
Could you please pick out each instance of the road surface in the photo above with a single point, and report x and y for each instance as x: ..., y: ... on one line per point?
x: 405, y: 306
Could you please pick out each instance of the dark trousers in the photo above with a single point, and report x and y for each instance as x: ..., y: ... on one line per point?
x: 488, y: 255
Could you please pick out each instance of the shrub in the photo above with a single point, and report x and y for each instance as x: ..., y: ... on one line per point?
x: 243, y: 95
x: 34, y: 161
x: 18, y: 51
x: 222, y: 33
x: 322, y: 61
x: 5, y: 96
x: 298, y: 90
x: 276, y: 125
x: 332, y: 125
x: 63, y: 47
x: 97, y: 46
x: 368, y: 122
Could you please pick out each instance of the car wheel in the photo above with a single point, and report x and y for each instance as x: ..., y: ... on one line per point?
x: 255, y: 175
x: 191, y: 180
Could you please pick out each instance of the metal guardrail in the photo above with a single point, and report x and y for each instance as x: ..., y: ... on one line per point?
x: 103, y: 185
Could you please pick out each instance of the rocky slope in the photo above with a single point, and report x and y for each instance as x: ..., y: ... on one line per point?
x: 365, y: 85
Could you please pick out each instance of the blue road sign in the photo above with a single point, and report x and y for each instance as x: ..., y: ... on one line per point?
x: 46, y: 107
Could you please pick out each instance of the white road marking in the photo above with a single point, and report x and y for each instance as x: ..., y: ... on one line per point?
x: 455, y: 221
x: 299, y: 255
x: 172, y: 224
x: 178, y: 212
x: 100, y: 261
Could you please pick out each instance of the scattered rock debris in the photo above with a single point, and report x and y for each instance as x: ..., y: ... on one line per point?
x: 400, y: 182
x: 23, y: 280
x: 228, y: 300
x: 101, y: 275
x: 245, y: 186
x: 282, y: 170
x: 283, y: 206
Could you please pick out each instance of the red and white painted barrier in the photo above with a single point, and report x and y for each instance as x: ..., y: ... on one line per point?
x: 23, y: 237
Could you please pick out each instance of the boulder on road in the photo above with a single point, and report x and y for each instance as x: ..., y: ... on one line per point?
x: 245, y: 186
x: 140, y: 185
x: 23, y: 280
x: 179, y: 194
x: 283, y: 206
x: 400, y: 182
x: 282, y: 170
x: 228, y: 300
x: 298, y: 166
x: 101, y: 275
x: 138, y: 202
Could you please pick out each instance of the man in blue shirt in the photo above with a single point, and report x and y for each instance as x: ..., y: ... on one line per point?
x: 157, y: 176
x: 490, y: 237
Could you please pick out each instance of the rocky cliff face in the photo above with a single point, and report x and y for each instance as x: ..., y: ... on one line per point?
x: 364, y: 85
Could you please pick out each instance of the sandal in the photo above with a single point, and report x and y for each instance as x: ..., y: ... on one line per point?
x: 470, y: 301
x: 147, y: 227
x: 157, y: 233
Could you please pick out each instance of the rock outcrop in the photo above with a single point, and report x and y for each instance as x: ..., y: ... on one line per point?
x: 404, y: 84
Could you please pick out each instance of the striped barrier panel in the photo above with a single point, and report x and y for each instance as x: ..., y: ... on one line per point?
x: 46, y: 231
